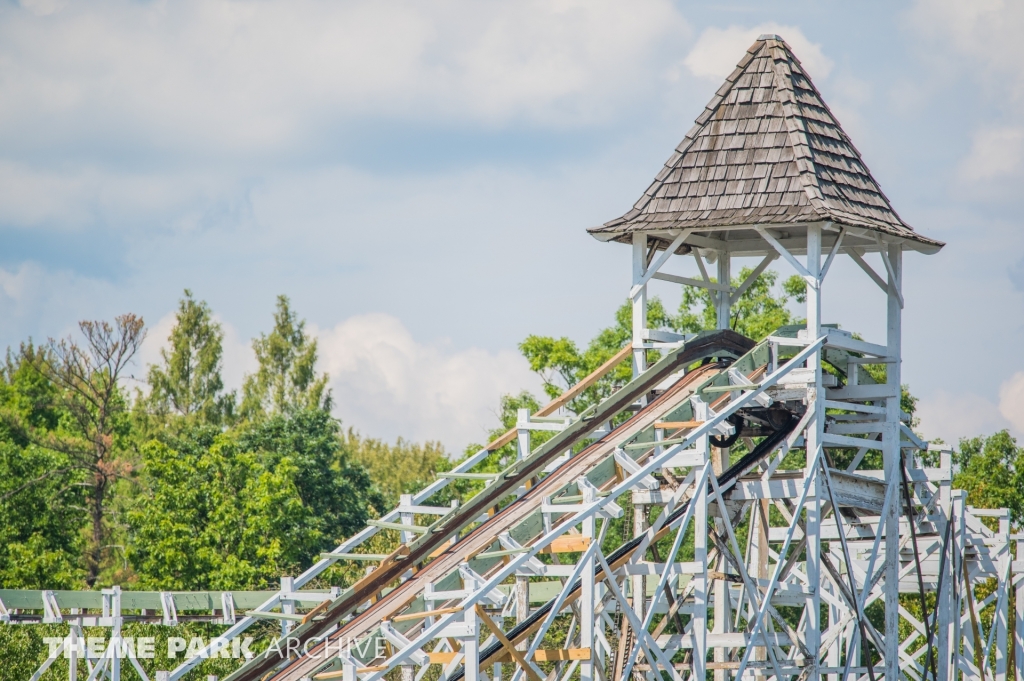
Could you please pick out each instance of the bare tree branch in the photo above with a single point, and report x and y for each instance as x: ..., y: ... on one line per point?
x: 87, y: 376
x: 44, y: 476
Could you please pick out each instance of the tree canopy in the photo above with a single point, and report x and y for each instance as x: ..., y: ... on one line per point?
x: 238, y: 509
x: 560, y: 363
x: 175, y: 489
x: 286, y: 379
x: 188, y: 381
x: 91, y: 493
x: 991, y: 470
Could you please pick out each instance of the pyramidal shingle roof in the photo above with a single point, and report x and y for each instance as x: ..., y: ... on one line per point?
x: 766, y: 151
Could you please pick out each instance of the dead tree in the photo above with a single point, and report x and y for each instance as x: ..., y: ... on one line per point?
x: 87, y: 373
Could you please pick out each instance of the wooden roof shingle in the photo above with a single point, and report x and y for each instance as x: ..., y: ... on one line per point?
x: 765, y: 151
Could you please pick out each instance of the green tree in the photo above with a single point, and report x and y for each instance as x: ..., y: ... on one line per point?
x: 40, y: 498
x: 286, y: 379
x: 756, y: 314
x: 188, y: 381
x: 400, y: 468
x: 560, y: 363
x: 238, y: 509
x: 91, y: 434
x: 990, y: 470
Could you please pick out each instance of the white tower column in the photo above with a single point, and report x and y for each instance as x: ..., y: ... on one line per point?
x: 813, y: 435
x: 722, y: 302
x: 891, y: 462
x: 639, y: 299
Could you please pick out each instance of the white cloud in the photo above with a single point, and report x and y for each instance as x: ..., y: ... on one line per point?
x: 386, y: 383
x: 44, y: 303
x: 986, y: 31
x: 210, y: 75
x: 995, y: 153
x: 1011, y: 401
x: 951, y: 416
x: 157, y: 336
x: 717, y: 50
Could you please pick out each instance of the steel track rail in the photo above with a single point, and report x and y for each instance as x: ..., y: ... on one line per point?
x: 710, y: 344
x: 482, y: 537
x: 625, y: 552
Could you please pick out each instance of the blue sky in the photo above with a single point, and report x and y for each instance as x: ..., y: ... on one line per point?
x: 418, y: 177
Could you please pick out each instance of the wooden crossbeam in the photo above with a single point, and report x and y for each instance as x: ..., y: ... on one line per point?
x: 677, y: 425
x: 426, y: 613
x: 570, y: 544
x: 561, y: 654
x: 506, y: 644
x: 316, y: 611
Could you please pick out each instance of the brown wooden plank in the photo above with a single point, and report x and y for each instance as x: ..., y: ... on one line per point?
x: 569, y: 544
x: 316, y: 611
x: 427, y: 613
x: 677, y: 425
x: 561, y: 654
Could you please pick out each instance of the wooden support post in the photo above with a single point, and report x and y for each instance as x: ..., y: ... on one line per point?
x: 813, y: 438
x: 588, y: 594
x: 944, y: 629
x: 73, y: 654
x: 115, y: 634
x: 639, y: 302
x: 349, y: 668
x: 471, y: 646
x: 958, y: 542
x: 522, y: 607
x: 406, y: 519
x: 722, y: 302
x: 891, y: 464
x: 723, y: 604
x: 639, y: 586
x: 523, y: 434
x: 1001, y: 620
x: 1018, y: 624
x: 834, y: 616
x: 287, y: 607
x: 758, y: 561
x: 699, y: 621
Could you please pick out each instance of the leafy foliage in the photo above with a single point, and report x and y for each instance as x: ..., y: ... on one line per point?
x: 400, y: 468
x: 286, y: 379
x: 757, y: 313
x: 237, y: 510
x: 991, y: 471
x: 84, y: 376
x: 560, y: 363
x: 188, y: 382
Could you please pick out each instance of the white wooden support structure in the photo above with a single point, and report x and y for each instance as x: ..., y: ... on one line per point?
x: 815, y: 481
